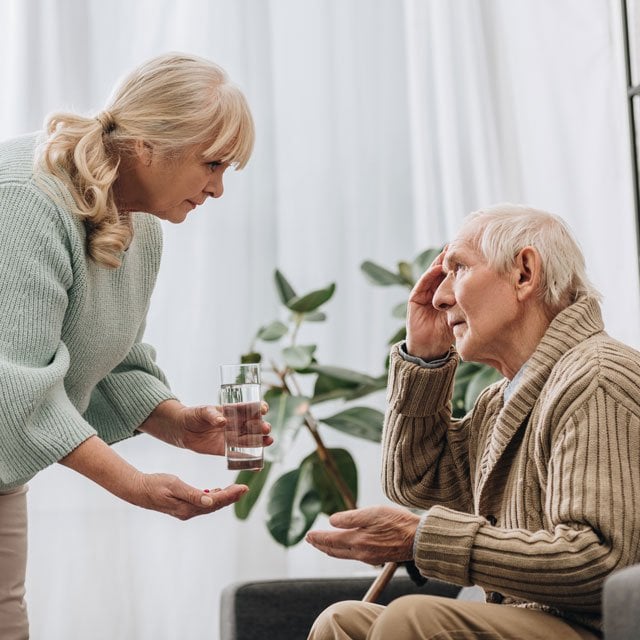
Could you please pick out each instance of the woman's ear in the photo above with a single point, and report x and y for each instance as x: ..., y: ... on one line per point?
x: 144, y: 152
x: 528, y: 273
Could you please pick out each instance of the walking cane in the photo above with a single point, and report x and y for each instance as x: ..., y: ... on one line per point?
x: 381, y: 581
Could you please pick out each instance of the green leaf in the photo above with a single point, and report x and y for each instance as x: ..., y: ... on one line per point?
x: 465, y: 372
x: 250, y: 358
x: 286, y: 416
x: 315, y: 316
x: 311, y: 301
x: 299, y: 496
x: 285, y: 290
x: 379, y: 275
x: 294, y: 504
x: 299, y: 357
x: 406, y: 273
x: 422, y: 262
x: 361, y: 422
x: 255, y: 480
x: 273, y: 331
x: 330, y: 496
x: 327, y: 388
x: 399, y: 335
x: 400, y: 311
x: 481, y: 380
x: 335, y: 383
x: 340, y: 374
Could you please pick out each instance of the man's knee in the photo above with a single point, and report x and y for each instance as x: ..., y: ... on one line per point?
x: 412, y: 616
x: 350, y: 618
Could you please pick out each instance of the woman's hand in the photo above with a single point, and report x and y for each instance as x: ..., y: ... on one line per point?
x: 373, y: 534
x: 200, y: 429
x: 428, y: 334
x: 168, y: 494
x: 97, y: 461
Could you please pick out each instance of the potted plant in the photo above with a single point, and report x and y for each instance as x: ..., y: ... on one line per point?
x: 299, y: 389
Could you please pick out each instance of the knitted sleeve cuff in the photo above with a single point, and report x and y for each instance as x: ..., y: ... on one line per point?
x: 416, y: 391
x: 124, y: 399
x: 121, y: 403
x: 444, y: 542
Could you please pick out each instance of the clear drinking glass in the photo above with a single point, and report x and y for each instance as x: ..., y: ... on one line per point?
x: 240, y: 398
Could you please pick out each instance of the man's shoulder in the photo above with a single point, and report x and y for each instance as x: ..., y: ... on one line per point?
x: 601, y: 360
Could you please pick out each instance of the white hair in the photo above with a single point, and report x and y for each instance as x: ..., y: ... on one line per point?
x: 501, y: 231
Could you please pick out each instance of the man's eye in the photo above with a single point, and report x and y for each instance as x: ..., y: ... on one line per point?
x: 457, y: 267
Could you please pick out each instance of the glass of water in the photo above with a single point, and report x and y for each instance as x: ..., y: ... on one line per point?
x: 241, y: 398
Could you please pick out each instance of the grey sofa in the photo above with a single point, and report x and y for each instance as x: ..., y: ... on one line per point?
x: 286, y: 609
x: 621, y: 604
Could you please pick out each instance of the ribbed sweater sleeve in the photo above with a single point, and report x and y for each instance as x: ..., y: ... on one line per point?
x: 592, y: 512
x: 72, y: 363
x: 38, y: 423
x: 552, y: 472
x: 125, y: 398
x: 419, y: 421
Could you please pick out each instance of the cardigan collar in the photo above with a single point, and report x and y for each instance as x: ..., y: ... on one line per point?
x: 570, y: 327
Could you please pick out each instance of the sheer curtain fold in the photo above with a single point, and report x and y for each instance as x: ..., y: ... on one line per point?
x: 379, y: 126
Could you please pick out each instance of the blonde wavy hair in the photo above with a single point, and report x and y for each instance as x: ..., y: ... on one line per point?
x: 172, y: 102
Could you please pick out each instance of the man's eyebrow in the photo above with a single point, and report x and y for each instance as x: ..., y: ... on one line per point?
x: 449, y: 257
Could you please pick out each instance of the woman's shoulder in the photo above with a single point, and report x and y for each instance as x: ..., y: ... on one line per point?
x: 16, y: 158
x: 29, y: 196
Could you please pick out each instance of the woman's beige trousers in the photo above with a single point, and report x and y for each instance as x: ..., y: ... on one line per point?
x: 14, y: 624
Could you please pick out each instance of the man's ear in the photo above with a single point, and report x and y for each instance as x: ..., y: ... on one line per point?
x: 144, y: 152
x: 528, y: 273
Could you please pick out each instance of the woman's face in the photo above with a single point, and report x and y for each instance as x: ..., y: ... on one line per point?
x: 169, y: 188
x: 481, y: 306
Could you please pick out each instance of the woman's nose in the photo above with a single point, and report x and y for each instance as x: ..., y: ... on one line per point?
x: 215, y: 187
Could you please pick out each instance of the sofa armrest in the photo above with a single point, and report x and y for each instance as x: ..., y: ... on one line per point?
x: 621, y: 604
x: 286, y: 609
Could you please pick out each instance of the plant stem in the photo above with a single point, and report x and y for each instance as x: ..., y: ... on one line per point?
x: 383, y: 578
x: 323, y: 453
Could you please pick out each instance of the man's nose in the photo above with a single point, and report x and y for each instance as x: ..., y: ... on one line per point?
x: 443, y: 297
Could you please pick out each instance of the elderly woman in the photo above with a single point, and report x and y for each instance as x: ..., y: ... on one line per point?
x: 525, y: 494
x: 80, y: 245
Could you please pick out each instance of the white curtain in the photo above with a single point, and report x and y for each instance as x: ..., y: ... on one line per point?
x: 380, y: 125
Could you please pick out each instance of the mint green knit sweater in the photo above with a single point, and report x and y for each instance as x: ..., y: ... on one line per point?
x: 71, y: 361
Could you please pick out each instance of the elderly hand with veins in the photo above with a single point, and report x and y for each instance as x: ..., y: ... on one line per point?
x: 428, y: 334
x: 374, y: 535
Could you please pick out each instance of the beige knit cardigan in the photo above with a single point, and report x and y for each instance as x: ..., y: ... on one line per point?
x: 536, y: 500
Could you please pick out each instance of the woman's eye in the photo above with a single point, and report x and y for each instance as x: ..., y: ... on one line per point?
x: 214, y: 165
x: 458, y: 267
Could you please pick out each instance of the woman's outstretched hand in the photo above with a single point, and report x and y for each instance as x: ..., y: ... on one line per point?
x: 168, y: 494
x: 161, y: 492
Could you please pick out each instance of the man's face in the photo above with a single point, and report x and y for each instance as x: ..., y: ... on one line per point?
x: 480, y: 305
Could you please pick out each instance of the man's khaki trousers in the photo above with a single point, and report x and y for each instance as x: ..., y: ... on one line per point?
x: 417, y: 617
x: 14, y: 624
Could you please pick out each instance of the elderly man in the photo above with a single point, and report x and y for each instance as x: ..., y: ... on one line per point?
x: 525, y: 494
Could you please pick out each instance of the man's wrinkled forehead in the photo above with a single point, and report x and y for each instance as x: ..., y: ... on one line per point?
x: 455, y: 250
